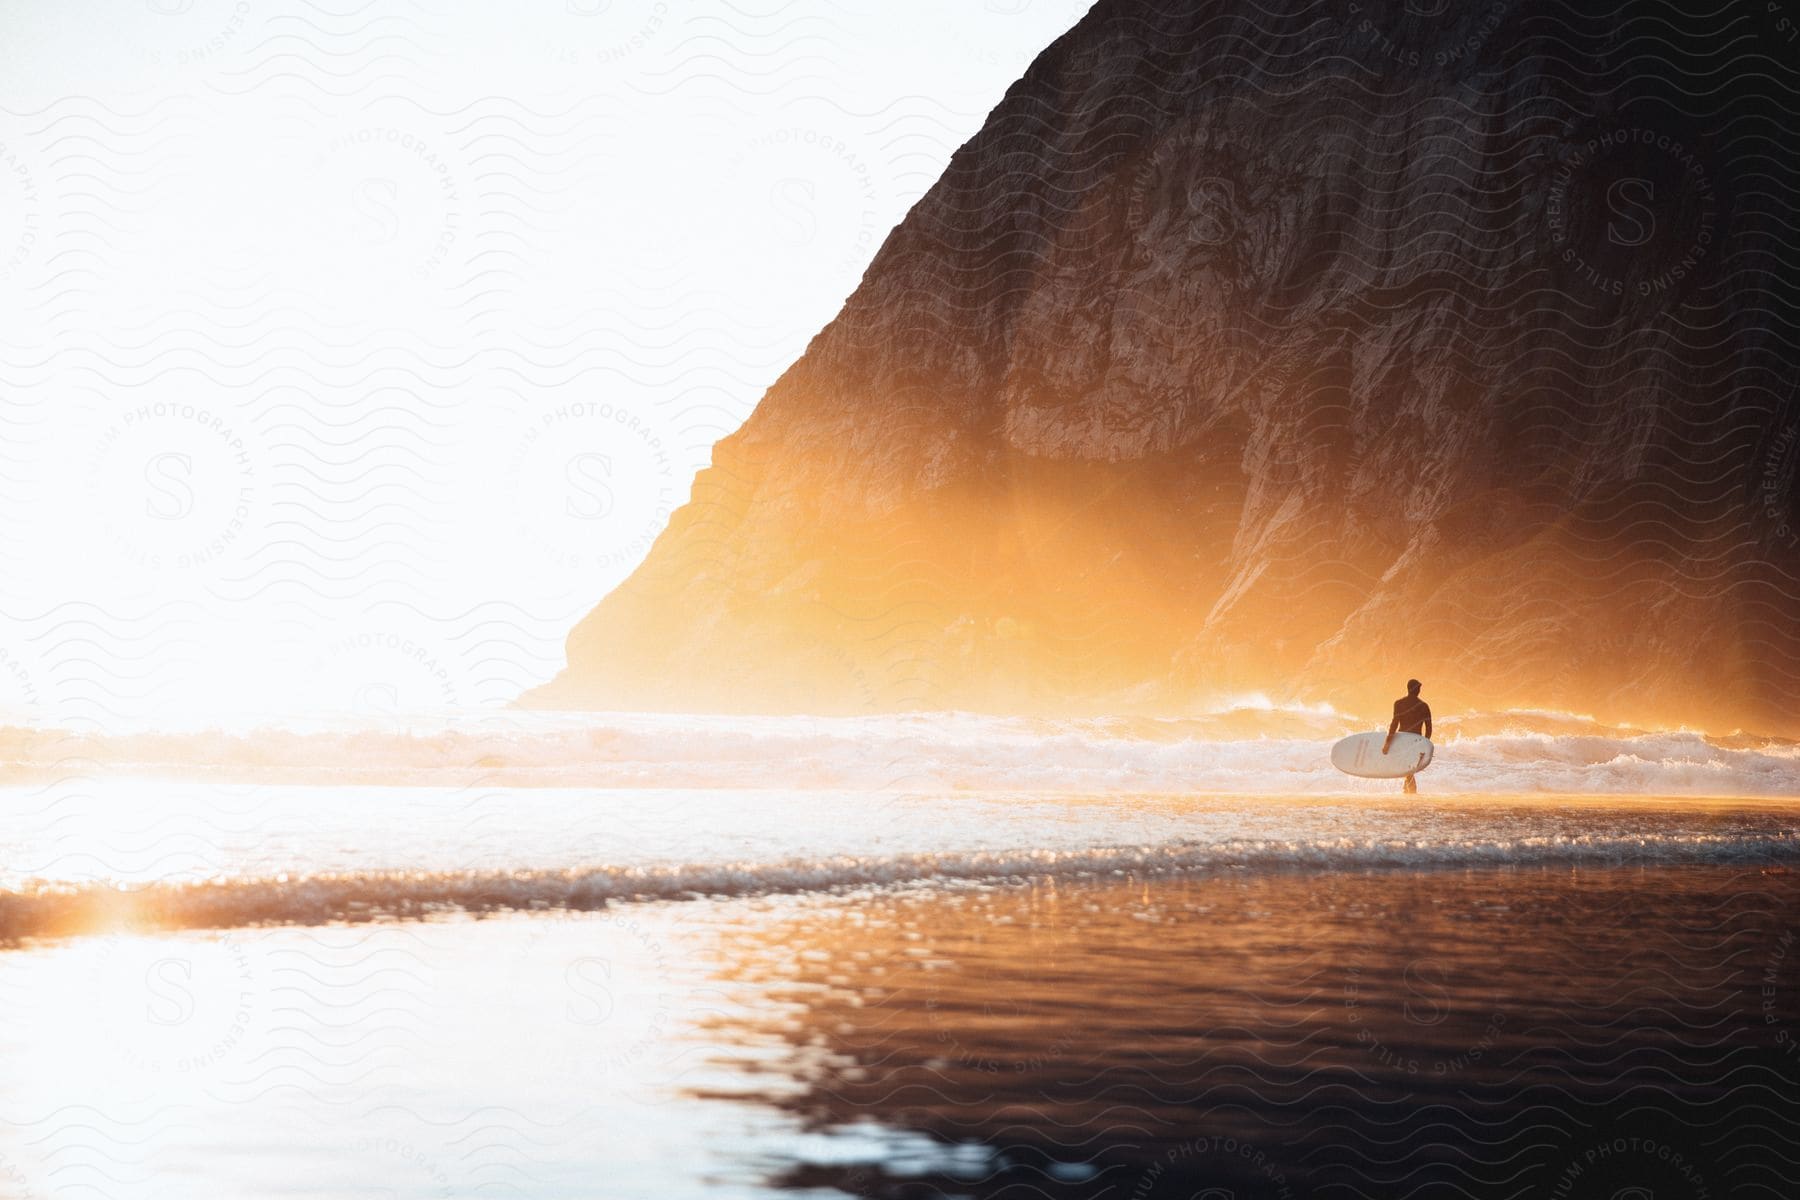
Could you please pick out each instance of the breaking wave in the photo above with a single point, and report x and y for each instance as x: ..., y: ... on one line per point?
x: 1245, y: 750
x: 65, y: 908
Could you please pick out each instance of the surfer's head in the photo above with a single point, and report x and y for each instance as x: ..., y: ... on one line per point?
x: 1412, y: 687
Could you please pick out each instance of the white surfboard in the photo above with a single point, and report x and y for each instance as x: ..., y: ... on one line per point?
x: 1360, y: 754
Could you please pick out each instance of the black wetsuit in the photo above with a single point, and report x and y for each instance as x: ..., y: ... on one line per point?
x: 1412, y: 713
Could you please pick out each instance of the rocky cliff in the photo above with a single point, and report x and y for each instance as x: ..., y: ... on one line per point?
x: 1291, y: 349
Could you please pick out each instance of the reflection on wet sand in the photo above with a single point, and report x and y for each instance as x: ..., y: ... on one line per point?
x: 1519, y: 1032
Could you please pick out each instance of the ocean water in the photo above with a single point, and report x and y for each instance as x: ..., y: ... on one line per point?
x: 1494, y: 1031
x: 931, y: 956
x: 1528, y: 1032
x: 1256, y: 748
x: 168, y: 855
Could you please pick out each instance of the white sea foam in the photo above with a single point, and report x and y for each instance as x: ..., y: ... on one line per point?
x: 44, y: 907
x: 569, y: 811
x: 1246, y: 750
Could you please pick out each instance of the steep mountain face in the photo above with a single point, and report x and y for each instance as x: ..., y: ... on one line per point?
x: 1290, y: 350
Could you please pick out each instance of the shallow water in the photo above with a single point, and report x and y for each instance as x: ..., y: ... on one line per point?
x: 98, y: 854
x: 1254, y: 1032
x: 245, y: 990
x: 1515, y: 1032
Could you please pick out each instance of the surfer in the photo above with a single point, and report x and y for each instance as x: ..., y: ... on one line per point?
x: 1411, y: 715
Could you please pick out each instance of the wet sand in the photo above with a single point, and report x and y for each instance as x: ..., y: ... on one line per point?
x: 1518, y: 1032
x: 1529, y: 1031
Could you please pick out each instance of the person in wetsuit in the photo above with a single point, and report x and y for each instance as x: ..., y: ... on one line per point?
x: 1411, y: 715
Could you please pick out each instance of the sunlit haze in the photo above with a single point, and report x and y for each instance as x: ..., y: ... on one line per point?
x: 753, y: 600
x: 355, y: 353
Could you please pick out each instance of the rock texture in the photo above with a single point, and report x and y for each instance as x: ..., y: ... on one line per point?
x: 1290, y: 349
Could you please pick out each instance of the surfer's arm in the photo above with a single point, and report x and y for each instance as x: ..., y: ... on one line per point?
x: 1428, y: 724
x: 1393, y: 726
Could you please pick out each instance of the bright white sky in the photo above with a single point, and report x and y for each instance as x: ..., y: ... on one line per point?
x: 355, y: 350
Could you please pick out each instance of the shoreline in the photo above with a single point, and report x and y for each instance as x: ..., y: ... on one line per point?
x: 53, y: 915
